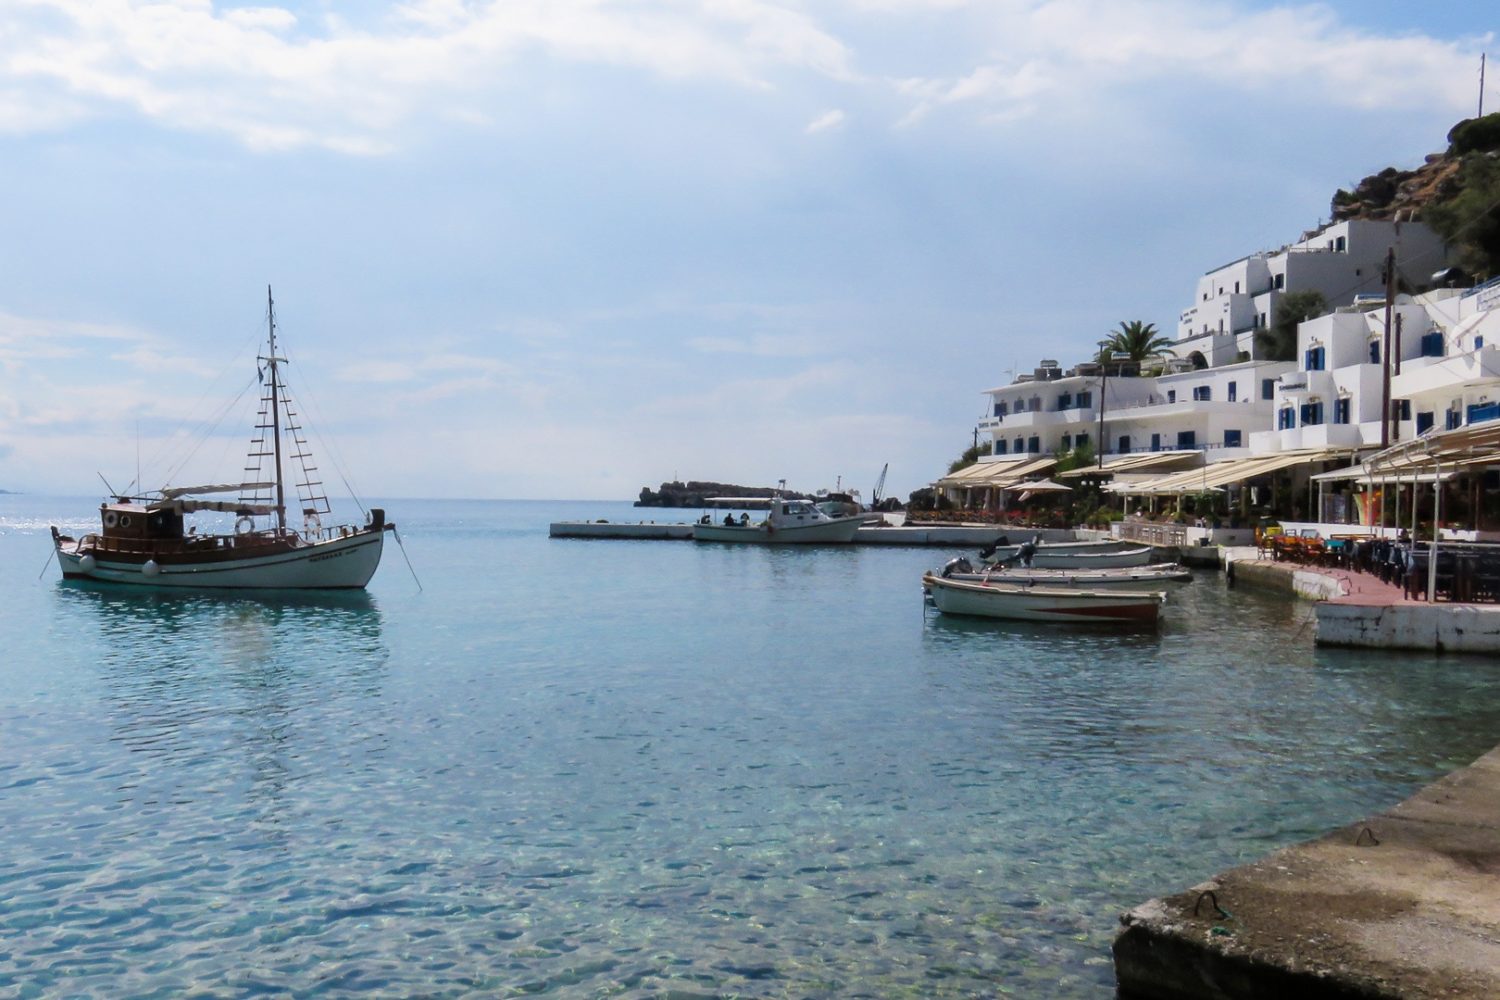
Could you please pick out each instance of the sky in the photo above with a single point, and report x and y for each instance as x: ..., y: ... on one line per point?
x: 571, y: 248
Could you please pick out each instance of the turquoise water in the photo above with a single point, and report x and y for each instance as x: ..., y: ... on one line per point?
x: 589, y: 769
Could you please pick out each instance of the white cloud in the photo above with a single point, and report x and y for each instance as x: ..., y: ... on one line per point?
x: 824, y: 122
x: 261, y: 77
x: 1066, y: 52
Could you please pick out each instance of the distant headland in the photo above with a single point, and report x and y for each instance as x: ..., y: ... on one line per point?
x: 696, y: 494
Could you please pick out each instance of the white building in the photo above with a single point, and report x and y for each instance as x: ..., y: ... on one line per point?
x: 1342, y: 262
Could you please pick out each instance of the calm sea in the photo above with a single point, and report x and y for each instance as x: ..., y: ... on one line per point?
x: 632, y: 769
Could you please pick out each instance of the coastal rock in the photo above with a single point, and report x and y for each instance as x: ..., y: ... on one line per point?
x: 695, y: 494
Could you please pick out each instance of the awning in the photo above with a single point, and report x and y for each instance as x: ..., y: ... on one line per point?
x: 1001, y: 474
x: 181, y: 491
x: 1224, y: 473
x: 1145, y: 462
x: 1475, y: 444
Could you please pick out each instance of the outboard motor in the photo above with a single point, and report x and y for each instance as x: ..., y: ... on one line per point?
x: 957, y: 565
x: 989, y: 549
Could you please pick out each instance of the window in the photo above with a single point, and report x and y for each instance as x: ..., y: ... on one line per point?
x: 1171, y: 395
x: 1020, y: 406
x: 1085, y: 400
x: 1234, y: 391
x: 1424, y: 422
x: 1124, y: 443
x: 999, y: 409
x: 1478, y: 342
x: 1374, y: 352
x: 1065, y: 401
x: 1156, y: 442
x: 1339, y: 244
x: 1202, y: 393
x: 1432, y: 344
x: 1020, y: 446
x: 999, y: 447
x: 1187, y: 440
x: 1232, y: 439
x: 1341, y: 410
x: 1480, y: 412
x: 1405, y: 411
x: 1279, y: 282
x: 1312, y: 413
x: 1033, y: 445
x: 1268, y: 388
x: 1067, y: 442
x: 1313, y: 359
x: 1455, y: 417
x: 1236, y: 288
x: 1285, y: 418
x: 1081, y: 441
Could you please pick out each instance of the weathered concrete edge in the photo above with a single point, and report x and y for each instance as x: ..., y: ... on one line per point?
x: 1184, y: 947
x: 1455, y: 628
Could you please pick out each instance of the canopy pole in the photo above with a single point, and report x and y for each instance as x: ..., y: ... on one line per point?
x: 1437, y: 511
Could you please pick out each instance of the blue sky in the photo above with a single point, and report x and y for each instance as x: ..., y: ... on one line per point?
x: 569, y: 248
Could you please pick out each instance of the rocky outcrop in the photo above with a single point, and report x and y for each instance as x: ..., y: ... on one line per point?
x: 696, y: 494
x: 1400, y: 194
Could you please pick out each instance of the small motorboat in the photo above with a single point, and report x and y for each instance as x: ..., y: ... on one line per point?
x: 1037, y: 554
x: 787, y: 522
x: 1043, y: 604
x: 1151, y: 575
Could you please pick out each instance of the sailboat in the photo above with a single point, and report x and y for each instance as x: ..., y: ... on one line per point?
x: 145, y: 541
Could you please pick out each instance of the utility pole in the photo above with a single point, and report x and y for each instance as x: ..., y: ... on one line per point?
x: 1385, y: 351
x: 1481, y: 85
x: 1396, y: 373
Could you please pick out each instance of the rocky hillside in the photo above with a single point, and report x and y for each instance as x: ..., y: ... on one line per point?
x: 1396, y: 193
x: 1457, y: 192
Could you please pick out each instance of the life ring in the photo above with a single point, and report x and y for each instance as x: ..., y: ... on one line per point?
x: 312, y: 525
x: 124, y: 520
x: 111, y: 519
x: 243, y: 526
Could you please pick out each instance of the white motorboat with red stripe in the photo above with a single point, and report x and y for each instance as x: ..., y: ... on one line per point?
x: 1043, y: 604
x: 144, y: 540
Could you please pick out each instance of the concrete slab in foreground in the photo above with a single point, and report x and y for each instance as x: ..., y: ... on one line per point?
x: 1405, y: 904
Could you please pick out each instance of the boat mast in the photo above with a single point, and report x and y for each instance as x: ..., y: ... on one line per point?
x: 275, y: 415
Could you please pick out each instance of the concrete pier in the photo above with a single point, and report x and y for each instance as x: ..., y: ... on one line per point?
x: 952, y: 536
x: 1359, y: 611
x: 1405, y: 904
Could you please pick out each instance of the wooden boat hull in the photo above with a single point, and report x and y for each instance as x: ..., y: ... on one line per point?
x: 1084, y: 579
x: 340, y: 563
x: 838, y: 531
x: 1044, y: 604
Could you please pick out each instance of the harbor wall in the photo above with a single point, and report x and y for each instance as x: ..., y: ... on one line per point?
x: 1442, y: 628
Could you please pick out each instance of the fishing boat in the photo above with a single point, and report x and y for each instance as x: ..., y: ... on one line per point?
x: 1043, y: 604
x: 787, y: 522
x: 145, y: 540
x: 1151, y: 575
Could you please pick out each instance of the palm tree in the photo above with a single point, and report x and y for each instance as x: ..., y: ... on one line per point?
x: 1137, y: 339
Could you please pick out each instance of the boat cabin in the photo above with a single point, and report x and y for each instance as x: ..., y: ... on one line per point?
x: 135, y: 522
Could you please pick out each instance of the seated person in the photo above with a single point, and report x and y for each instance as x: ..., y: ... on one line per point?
x: 728, y: 520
